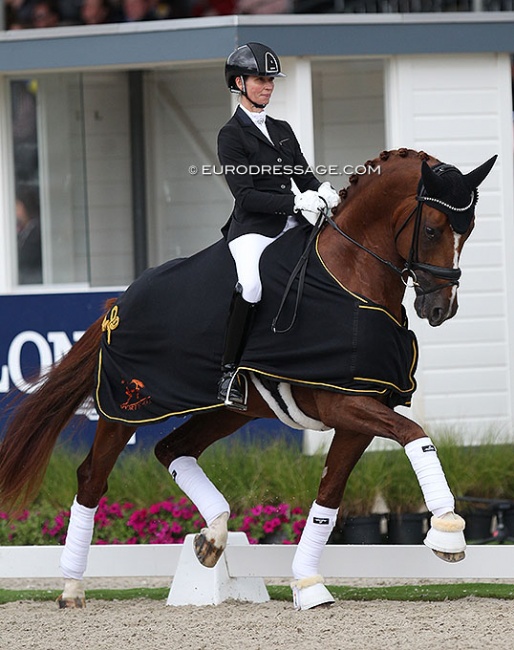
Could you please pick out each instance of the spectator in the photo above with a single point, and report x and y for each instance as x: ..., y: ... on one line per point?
x: 96, y: 12
x: 24, y: 129
x: 136, y: 10
x: 45, y: 13
x: 213, y: 8
x: 29, y: 236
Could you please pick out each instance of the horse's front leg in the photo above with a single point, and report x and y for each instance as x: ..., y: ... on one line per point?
x: 308, y: 588
x: 372, y: 418
x: 178, y: 452
x: 110, y: 440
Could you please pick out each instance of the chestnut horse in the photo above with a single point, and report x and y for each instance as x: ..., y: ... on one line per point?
x: 404, y: 225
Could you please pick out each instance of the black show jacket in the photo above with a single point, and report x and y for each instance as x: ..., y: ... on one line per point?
x: 259, y: 174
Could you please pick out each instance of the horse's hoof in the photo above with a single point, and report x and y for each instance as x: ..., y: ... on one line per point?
x: 71, y: 603
x: 450, y: 557
x: 446, y: 537
x: 206, y: 550
x: 309, y: 593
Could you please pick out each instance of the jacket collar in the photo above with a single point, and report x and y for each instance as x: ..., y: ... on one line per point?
x: 246, y: 122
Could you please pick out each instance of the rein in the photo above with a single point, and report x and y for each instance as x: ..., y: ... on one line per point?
x: 411, y: 265
x: 408, y: 271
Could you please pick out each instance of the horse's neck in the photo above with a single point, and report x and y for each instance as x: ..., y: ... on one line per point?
x: 357, y: 269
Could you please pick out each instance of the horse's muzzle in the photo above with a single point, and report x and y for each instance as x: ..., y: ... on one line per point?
x: 437, y: 307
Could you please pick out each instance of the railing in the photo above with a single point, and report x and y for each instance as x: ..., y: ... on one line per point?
x: 268, y: 561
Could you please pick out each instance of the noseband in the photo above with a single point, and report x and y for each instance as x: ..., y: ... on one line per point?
x: 412, y: 264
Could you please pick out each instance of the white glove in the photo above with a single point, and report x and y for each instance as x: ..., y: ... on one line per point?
x: 327, y: 192
x: 310, y: 204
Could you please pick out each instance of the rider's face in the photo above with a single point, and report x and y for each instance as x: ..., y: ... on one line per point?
x: 258, y: 89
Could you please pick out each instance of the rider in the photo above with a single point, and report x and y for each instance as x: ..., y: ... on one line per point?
x: 260, y: 156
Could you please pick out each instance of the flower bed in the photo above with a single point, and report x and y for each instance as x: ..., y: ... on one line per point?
x: 166, y: 522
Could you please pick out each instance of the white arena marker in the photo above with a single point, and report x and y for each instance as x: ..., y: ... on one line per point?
x: 195, y: 584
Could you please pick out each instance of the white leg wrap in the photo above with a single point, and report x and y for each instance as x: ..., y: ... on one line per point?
x: 191, y: 479
x: 425, y: 463
x: 78, y: 540
x: 320, y: 523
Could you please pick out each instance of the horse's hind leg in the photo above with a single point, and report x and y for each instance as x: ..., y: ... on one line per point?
x: 110, y: 439
x: 178, y: 452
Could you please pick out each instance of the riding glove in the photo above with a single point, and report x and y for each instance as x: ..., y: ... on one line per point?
x: 310, y: 204
x: 327, y: 192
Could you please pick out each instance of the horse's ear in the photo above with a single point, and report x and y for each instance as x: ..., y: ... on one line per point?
x: 434, y: 184
x: 475, y: 177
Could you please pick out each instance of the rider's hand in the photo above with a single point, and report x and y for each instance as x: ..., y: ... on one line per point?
x: 310, y: 204
x: 327, y: 192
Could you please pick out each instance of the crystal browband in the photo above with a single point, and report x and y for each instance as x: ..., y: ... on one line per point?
x: 447, y: 205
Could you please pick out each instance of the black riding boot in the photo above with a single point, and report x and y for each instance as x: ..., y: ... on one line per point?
x: 233, y: 386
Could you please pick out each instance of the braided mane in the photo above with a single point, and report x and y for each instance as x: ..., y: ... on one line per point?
x: 382, y: 157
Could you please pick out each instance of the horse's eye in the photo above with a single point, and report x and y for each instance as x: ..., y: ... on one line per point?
x: 430, y: 232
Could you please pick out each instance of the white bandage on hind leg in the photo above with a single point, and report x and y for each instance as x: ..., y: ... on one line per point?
x: 425, y: 463
x: 191, y: 479
x: 320, y: 523
x: 78, y: 540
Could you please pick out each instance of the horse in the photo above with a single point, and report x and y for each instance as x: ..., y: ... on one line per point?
x: 405, y: 226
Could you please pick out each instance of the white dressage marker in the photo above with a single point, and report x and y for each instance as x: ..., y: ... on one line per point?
x: 195, y: 584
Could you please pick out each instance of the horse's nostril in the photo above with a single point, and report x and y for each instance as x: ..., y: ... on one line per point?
x: 437, y: 316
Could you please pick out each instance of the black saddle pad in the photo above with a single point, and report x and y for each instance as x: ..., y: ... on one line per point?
x: 161, y: 352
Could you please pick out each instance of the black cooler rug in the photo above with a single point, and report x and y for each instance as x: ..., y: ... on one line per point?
x: 163, y: 339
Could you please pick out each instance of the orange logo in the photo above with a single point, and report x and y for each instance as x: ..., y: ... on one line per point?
x: 135, y: 399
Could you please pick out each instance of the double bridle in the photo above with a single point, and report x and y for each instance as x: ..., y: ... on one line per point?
x: 412, y: 264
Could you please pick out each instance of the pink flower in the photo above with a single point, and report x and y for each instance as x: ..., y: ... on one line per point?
x: 298, y: 526
x: 268, y: 527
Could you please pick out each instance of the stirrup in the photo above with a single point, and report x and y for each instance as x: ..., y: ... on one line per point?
x: 237, y: 392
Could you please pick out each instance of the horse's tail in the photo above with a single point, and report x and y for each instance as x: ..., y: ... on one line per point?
x: 37, y: 421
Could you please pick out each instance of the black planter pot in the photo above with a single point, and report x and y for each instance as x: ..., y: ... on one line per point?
x: 407, y: 528
x: 362, y: 530
x: 478, y: 525
x: 508, y: 520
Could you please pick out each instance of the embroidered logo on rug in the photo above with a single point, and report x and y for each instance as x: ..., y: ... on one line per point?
x: 135, y: 398
x: 110, y: 322
x: 320, y: 520
x: 428, y: 448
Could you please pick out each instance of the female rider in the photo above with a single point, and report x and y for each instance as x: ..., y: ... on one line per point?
x: 260, y: 156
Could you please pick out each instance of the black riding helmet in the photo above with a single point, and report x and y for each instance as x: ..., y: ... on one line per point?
x: 251, y: 59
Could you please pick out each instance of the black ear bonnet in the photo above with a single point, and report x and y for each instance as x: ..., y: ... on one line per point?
x: 445, y: 188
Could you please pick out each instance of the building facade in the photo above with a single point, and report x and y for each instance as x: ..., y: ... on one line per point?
x: 113, y: 129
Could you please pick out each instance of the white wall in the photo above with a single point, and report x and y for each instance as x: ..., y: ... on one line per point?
x: 458, y: 109
x: 348, y: 98
x: 186, y: 107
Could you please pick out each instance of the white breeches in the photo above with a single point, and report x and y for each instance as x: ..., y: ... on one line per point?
x: 246, y: 251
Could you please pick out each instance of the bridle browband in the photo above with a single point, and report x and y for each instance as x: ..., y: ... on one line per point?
x: 412, y: 264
